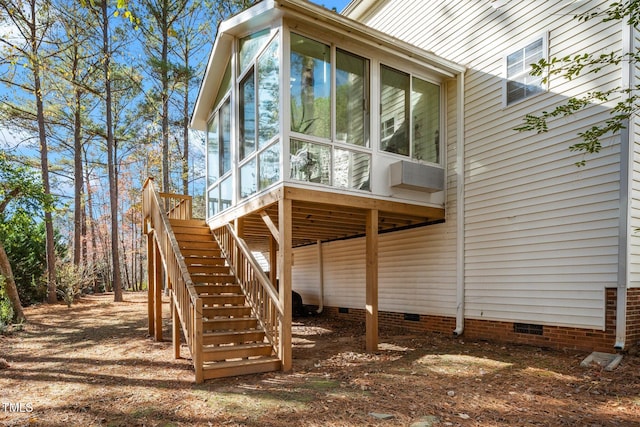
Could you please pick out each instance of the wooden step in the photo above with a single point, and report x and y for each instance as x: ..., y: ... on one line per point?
x: 239, y: 311
x: 208, y: 269
x: 188, y: 222
x: 235, y: 324
x: 213, y: 279
x: 232, y: 337
x: 241, y: 367
x: 193, y: 237
x: 236, y: 351
x: 222, y: 300
x: 189, y: 229
x: 202, y: 261
x: 217, y: 289
x: 211, y: 246
x: 203, y: 253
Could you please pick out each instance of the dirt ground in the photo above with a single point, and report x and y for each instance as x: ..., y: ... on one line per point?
x: 94, y: 365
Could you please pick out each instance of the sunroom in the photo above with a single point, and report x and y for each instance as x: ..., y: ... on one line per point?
x: 320, y: 128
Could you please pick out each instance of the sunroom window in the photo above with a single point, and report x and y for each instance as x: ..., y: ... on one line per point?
x: 310, y: 87
x: 409, y: 115
x: 258, y: 118
x: 316, y: 97
x: 258, y: 147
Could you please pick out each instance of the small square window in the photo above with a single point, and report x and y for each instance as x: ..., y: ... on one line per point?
x: 519, y: 83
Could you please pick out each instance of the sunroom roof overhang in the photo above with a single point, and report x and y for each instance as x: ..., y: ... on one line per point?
x: 268, y: 11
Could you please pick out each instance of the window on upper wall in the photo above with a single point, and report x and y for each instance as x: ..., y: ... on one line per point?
x: 519, y: 83
x: 409, y: 115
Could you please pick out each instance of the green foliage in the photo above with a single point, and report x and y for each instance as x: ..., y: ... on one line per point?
x: 24, y: 241
x: 572, y: 66
x: 6, y: 310
x: 22, y: 185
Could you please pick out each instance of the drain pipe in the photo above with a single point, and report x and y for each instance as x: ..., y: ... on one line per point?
x: 320, y: 277
x: 624, y: 230
x: 460, y: 288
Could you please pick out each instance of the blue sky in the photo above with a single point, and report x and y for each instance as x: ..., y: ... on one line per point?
x: 330, y: 4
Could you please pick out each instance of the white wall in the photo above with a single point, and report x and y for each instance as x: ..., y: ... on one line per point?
x: 541, y: 234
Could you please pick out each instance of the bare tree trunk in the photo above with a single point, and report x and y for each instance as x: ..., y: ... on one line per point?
x: 185, y: 128
x: 92, y: 227
x: 52, y: 297
x: 10, y: 286
x: 111, y: 158
x: 77, y: 178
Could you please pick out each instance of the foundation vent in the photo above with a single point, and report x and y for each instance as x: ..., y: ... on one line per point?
x: 527, y: 328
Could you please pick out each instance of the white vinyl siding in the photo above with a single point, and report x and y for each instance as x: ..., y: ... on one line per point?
x: 541, y: 241
x: 634, y: 259
x: 416, y: 272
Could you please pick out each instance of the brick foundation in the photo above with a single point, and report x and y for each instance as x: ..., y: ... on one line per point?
x: 558, y: 337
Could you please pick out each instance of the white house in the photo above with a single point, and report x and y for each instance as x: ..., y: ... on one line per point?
x: 372, y: 156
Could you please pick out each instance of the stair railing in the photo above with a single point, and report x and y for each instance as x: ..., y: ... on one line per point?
x: 260, y: 293
x: 157, y: 209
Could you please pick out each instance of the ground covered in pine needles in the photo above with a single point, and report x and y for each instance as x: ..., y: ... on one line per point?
x: 94, y: 365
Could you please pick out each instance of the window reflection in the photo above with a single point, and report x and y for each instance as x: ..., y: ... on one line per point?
x: 352, y: 93
x: 310, y: 162
x: 310, y: 87
x: 248, y: 182
x: 395, y: 110
x: 425, y: 100
x: 269, y: 166
x: 268, y: 94
x: 351, y: 169
x: 247, y: 116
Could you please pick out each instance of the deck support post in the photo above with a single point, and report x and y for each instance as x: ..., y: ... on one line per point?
x: 175, y: 321
x: 372, y: 281
x: 150, y: 282
x: 157, y: 291
x: 284, y: 269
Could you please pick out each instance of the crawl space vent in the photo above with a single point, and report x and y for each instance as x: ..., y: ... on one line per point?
x: 527, y: 328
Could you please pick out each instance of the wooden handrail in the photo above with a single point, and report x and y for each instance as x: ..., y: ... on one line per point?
x: 260, y: 293
x: 185, y: 297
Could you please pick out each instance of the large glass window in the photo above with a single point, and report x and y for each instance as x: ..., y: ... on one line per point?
x: 213, y: 151
x: 310, y: 162
x: 425, y: 107
x: 214, y: 201
x: 226, y: 193
x: 250, y: 46
x: 395, y: 109
x: 225, y: 142
x: 269, y: 170
x: 520, y: 84
x: 351, y: 169
x: 268, y: 94
x: 225, y: 85
x: 310, y: 87
x: 248, y: 181
x: 247, y: 116
x: 352, y: 98
x: 409, y: 116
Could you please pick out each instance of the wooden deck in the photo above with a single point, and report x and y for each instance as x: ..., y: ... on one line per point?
x: 321, y: 215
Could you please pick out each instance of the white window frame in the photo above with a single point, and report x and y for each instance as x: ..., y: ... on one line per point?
x: 506, y: 78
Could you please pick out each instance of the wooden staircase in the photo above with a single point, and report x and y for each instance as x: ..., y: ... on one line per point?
x: 233, y: 341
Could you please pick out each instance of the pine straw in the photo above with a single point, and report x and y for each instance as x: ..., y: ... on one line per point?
x: 94, y: 365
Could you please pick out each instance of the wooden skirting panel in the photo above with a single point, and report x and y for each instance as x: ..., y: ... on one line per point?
x: 557, y: 337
